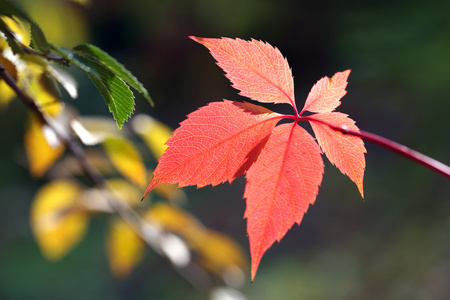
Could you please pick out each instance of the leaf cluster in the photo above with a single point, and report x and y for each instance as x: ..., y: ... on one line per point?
x: 110, y: 77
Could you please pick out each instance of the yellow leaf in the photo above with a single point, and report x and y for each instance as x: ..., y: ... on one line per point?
x: 126, y: 159
x: 94, y: 130
x: 221, y: 255
x: 6, y: 93
x: 216, y: 252
x: 171, y: 193
x: 43, y: 92
x: 122, y: 190
x: 154, y: 133
x: 40, y: 154
x: 57, y: 223
x: 174, y: 220
x: 124, y: 248
x: 21, y: 31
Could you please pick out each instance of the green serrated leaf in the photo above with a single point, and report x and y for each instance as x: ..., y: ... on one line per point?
x: 114, y: 90
x: 12, y: 42
x: 38, y: 41
x: 113, y: 65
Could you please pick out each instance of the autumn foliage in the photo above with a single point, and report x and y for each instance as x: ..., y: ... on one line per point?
x: 282, y: 162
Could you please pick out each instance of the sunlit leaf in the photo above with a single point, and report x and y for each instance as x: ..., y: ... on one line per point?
x: 171, y: 193
x: 123, y: 190
x: 94, y: 130
x: 174, y: 219
x: 112, y: 64
x: 126, y: 159
x: 154, y: 133
x: 114, y: 90
x: 124, y: 248
x: 40, y: 154
x: 15, y: 32
x: 43, y: 92
x: 214, y: 251
x: 57, y: 223
x: 283, y: 163
x: 6, y: 93
x: 65, y: 79
x: 221, y: 255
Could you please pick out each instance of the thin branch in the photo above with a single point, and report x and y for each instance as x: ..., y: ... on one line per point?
x: 200, y: 281
x: 418, y: 157
x: 49, y: 56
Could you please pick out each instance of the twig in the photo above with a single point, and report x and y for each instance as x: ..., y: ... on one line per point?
x: 130, y: 216
x: 418, y: 157
x: 49, y: 56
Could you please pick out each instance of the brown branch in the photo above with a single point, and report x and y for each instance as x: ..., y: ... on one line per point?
x: 200, y: 280
x: 418, y: 157
x: 49, y: 56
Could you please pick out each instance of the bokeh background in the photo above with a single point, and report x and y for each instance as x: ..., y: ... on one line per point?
x: 393, y: 245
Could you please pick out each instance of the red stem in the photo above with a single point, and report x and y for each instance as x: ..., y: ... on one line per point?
x: 418, y: 157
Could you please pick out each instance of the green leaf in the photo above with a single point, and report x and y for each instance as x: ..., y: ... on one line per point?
x: 114, y: 90
x: 12, y: 42
x: 112, y: 64
x: 38, y: 41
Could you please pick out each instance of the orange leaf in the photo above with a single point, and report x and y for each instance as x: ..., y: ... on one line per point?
x: 280, y: 186
x: 326, y: 93
x: 255, y: 68
x: 218, y: 142
x: 343, y: 150
x: 283, y: 164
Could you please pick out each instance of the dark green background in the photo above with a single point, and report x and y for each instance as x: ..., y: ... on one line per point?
x: 395, y: 245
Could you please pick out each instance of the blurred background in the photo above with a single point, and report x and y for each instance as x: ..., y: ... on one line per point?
x: 393, y: 245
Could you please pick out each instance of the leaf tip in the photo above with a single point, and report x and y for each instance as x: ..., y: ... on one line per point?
x: 195, y: 38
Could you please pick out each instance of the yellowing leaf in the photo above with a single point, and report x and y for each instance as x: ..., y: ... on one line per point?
x: 122, y: 190
x: 43, y: 92
x: 6, y: 93
x: 40, y: 154
x: 154, y: 133
x: 221, y: 255
x: 171, y: 193
x: 124, y: 248
x: 174, y: 220
x: 21, y: 31
x: 126, y: 159
x: 94, y: 130
x: 215, y: 252
x: 57, y: 223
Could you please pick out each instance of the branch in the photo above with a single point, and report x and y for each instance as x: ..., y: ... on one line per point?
x: 49, y: 56
x: 418, y: 157
x: 149, y: 233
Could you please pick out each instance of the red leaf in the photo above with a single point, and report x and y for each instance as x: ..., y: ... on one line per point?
x: 255, y: 68
x: 280, y: 186
x: 283, y: 164
x: 344, y: 151
x: 326, y: 93
x: 216, y: 143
